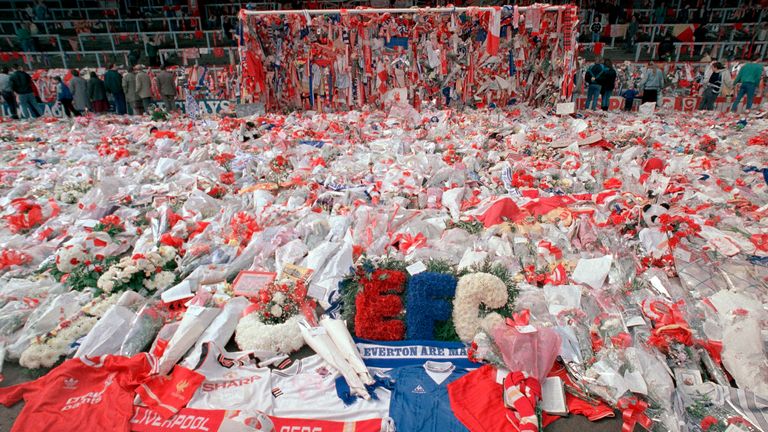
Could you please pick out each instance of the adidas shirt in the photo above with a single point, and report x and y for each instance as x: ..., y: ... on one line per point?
x: 233, y: 381
x: 307, y: 390
x: 80, y: 395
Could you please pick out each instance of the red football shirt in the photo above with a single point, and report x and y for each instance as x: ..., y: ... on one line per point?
x: 80, y: 395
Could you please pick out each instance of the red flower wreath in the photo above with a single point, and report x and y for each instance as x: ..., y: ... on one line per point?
x: 377, y: 303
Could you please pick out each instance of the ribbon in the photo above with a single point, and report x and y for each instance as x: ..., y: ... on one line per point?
x: 522, y: 318
x: 633, y: 412
x: 408, y: 242
x: 546, y: 246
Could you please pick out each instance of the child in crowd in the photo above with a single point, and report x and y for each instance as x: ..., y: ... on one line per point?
x: 629, y: 96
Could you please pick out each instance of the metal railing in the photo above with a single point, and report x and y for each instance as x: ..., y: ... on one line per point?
x: 717, y: 50
x: 231, y: 53
x: 50, y: 37
x: 108, y: 24
x: 28, y: 58
x: 174, y: 35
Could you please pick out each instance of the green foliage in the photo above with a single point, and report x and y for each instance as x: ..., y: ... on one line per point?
x: 472, y: 227
x: 159, y: 115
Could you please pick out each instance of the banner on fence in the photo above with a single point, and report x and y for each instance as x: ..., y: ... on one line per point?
x: 52, y: 109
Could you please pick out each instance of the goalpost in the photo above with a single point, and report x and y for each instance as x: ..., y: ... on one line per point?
x: 339, y: 59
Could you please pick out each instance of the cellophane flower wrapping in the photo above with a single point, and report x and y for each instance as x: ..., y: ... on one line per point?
x: 140, y: 332
x: 527, y: 349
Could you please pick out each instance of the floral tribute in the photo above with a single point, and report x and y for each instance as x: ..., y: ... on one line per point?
x: 678, y: 227
x: 281, y: 300
x: 377, y: 300
x: 271, y: 322
x: 153, y: 272
x: 29, y: 214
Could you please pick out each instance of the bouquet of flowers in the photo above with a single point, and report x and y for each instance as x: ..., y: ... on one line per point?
x: 113, y: 146
x: 678, y: 227
x: 271, y: 322
x: 241, y: 229
x: 29, y: 214
x: 152, y: 272
x: 70, y: 191
x: 46, y: 350
x: 111, y: 224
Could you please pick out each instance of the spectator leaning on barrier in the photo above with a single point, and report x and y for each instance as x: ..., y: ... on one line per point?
x: 7, y: 91
x: 129, y: 88
x: 22, y: 84
x: 748, y: 79
x: 114, y: 84
x: 79, y: 88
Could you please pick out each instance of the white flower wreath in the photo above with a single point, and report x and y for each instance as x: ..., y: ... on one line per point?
x: 285, y: 338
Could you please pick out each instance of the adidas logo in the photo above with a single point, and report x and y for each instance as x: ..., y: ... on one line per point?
x: 418, y: 389
x: 276, y: 392
x: 70, y: 383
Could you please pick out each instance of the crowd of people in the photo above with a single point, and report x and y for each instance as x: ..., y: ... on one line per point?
x: 129, y: 93
x: 600, y: 82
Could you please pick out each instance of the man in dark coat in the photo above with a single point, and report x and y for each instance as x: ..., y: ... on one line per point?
x: 114, y: 85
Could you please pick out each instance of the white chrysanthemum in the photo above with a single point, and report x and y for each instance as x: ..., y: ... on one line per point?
x: 105, y: 282
x: 155, y: 258
x: 278, y: 298
x: 276, y: 310
x: 168, y: 253
x: 472, y: 290
x: 252, y: 334
x: 160, y: 281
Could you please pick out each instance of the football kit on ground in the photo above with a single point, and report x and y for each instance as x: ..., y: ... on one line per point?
x: 233, y: 381
x: 420, y: 398
x: 81, y: 395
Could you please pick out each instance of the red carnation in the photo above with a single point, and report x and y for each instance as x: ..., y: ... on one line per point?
x: 707, y: 422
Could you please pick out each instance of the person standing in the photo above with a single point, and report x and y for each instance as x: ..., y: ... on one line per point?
x: 596, y: 28
x: 79, y: 90
x: 166, y: 84
x: 129, y: 88
x: 41, y: 11
x: 607, y: 83
x: 97, y: 93
x: 153, y: 53
x: 114, y: 85
x: 631, y: 36
x: 591, y: 79
x: 21, y: 83
x: 64, y: 96
x: 714, y: 80
x: 143, y: 89
x: 651, y: 83
x: 7, y: 91
x: 24, y: 36
x: 748, y: 78
x: 660, y: 13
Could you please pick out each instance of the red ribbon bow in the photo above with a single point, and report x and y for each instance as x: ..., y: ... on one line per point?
x: 522, y: 318
x: 633, y: 412
x: 408, y: 242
